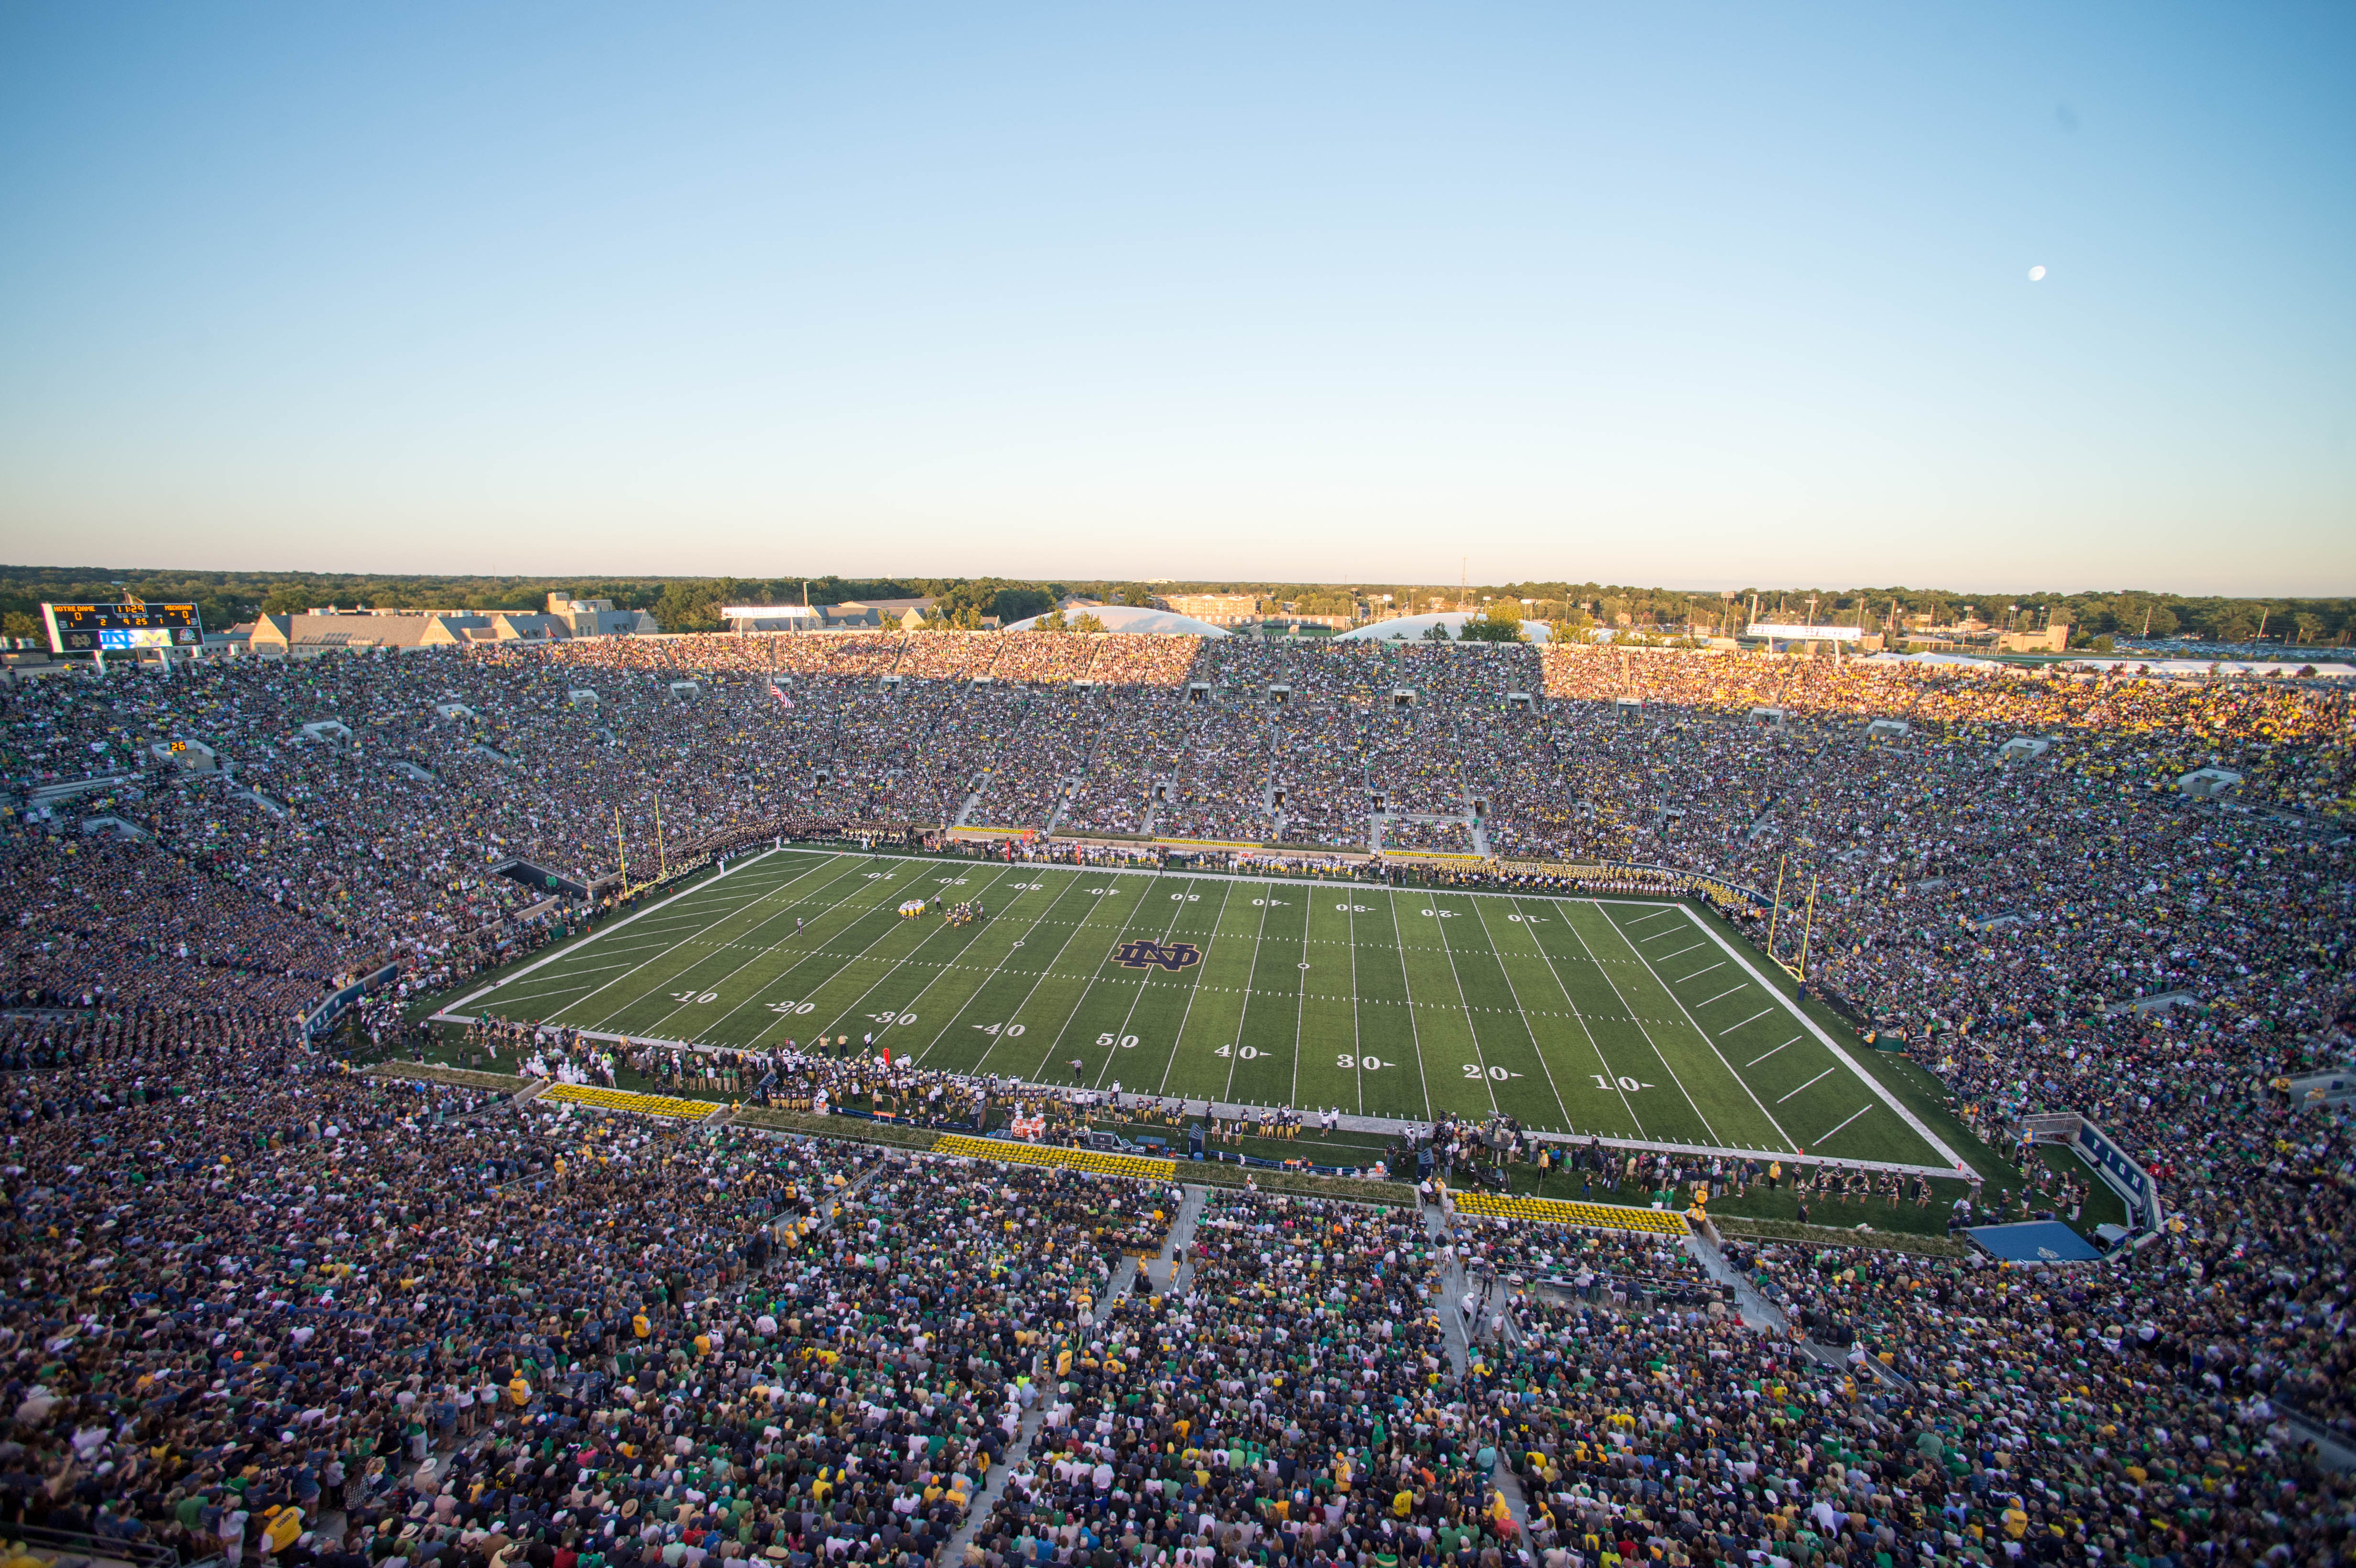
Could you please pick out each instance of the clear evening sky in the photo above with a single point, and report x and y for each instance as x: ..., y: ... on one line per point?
x: 1629, y: 293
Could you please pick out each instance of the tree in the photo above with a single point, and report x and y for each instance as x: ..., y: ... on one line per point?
x: 1501, y: 623
x: 287, y: 599
x: 1053, y: 620
x: 1435, y: 632
x: 1017, y: 602
x: 1136, y: 594
x: 692, y: 605
x: 1573, y: 627
x: 1087, y: 621
x: 2233, y: 624
x: 17, y: 624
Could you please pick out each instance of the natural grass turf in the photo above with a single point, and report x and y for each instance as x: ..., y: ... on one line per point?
x: 1629, y: 1018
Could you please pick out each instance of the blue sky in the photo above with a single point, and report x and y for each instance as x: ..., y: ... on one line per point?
x: 1659, y: 295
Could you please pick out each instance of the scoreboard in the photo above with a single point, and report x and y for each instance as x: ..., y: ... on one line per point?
x: 110, y: 628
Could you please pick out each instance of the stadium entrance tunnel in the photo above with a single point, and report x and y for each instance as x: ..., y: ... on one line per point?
x: 546, y: 881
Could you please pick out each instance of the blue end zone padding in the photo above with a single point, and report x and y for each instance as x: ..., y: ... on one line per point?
x: 2035, y: 1241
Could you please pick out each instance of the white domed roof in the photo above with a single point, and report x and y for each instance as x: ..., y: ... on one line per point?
x: 1129, y: 618
x: 1413, y: 627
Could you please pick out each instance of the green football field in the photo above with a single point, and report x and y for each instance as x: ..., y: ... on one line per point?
x: 1631, y: 1019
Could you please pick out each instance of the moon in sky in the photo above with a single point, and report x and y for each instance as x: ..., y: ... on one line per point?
x: 2036, y: 275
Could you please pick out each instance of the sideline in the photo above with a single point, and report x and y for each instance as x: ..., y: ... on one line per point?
x: 1955, y: 1162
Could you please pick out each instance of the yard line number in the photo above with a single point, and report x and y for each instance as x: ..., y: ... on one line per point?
x: 1127, y: 1041
x: 1367, y: 1064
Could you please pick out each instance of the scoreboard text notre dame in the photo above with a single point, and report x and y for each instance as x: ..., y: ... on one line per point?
x: 110, y: 628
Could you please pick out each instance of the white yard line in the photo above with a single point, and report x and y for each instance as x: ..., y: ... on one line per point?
x: 1422, y: 1064
x: 1479, y: 1057
x: 1757, y: 1060
x: 1751, y: 1019
x: 1259, y: 945
x: 1178, y: 1037
x: 1587, y: 1028
x: 1853, y: 1115
x: 1811, y: 1083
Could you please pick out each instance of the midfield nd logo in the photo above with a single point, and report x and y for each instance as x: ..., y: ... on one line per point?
x: 1173, y: 956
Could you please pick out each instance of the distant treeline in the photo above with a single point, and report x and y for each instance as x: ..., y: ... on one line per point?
x: 685, y: 604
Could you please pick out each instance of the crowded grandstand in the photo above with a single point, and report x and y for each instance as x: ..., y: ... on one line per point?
x: 261, y: 1300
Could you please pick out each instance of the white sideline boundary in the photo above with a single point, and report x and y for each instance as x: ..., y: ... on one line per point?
x: 1956, y: 1161
x: 446, y: 1016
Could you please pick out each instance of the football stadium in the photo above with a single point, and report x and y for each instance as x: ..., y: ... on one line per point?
x: 924, y: 1097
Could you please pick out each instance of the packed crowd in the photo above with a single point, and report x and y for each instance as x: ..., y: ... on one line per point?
x: 2048, y: 926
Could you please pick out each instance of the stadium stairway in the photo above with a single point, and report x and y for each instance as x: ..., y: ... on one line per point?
x: 1172, y: 1267
x: 1460, y: 1352
x: 1756, y: 1311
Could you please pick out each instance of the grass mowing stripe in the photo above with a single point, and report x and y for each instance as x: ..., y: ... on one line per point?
x: 1329, y: 1008
x: 1203, y: 1055
x: 1386, y: 1022
x: 861, y: 906
x: 1824, y: 1139
x: 1564, y: 1033
x: 1114, y: 994
x: 1728, y: 1067
x: 1064, y: 989
x: 768, y: 937
x: 1499, y: 1023
x: 789, y: 981
x: 1632, y: 1046
x: 1271, y: 1018
x: 816, y: 978
x: 999, y: 1004
x: 1811, y: 1083
x: 1103, y: 997
x: 823, y: 899
x: 1192, y: 1067
x: 1584, y: 978
x: 839, y: 866
x: 934, y: 959
x: 1444, y: 1024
